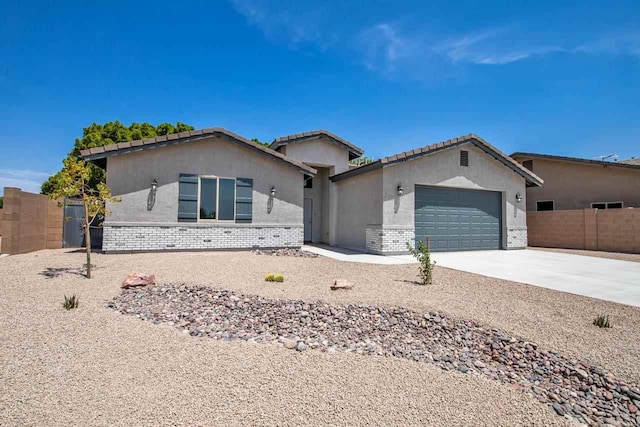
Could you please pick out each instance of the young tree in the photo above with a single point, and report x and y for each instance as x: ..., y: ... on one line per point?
x: 73, y: 182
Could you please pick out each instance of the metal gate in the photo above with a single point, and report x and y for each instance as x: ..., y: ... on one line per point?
x: 73, y: 231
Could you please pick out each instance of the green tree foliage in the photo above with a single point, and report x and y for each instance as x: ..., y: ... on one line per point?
x: 73, y: 182
x: 266, y: 144
x: 97, y: 135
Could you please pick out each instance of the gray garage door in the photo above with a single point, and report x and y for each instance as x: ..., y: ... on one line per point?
x: 458, y: 220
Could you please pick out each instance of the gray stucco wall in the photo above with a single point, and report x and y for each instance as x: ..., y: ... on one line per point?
x: 359, y: 203
x: 369, y: 205
x: 130, y: 175
x: 443, y: 169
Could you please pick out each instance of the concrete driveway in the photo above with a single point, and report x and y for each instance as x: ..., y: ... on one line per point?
x: 607, y: 279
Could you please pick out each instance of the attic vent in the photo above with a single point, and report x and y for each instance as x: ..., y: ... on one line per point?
x: 464, y: 158
x: 528, y: 164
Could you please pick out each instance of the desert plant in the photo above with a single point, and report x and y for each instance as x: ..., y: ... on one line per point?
x: 422, y: 252
x: 71, y: 302
x: 278, y: 278
x: 602, y: 321
x: 269, y: 277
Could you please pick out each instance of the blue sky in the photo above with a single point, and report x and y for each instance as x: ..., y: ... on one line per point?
x: 546, y: 76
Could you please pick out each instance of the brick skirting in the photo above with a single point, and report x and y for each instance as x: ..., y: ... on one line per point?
x: 186, y: 236
x: 389, y: 239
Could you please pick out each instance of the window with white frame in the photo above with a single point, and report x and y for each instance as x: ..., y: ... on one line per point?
x: 607, y: 205
x: 217, y: 198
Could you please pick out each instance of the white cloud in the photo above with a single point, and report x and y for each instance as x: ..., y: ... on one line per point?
x: 396, y: 47
x: 293, y: 23
x: 26, y: 180
x: 382, y: 46
x: 492, y: 47
x: 621, y: 43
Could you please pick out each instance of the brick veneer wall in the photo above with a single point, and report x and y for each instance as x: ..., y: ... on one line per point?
x: 516, y: 237
x: 30, y: 222
x: 163, y: 237
x: 615, y: 230
x: 388, y: 240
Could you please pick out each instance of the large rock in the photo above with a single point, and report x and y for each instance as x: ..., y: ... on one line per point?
x: 138, y: 279
x: 341, y: 284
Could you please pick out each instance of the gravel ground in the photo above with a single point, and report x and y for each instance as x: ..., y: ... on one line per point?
x: 586, y: 393
x: 598, y: 254
x: 95, y: 366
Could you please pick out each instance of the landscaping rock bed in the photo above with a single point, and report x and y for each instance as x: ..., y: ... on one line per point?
x: 285, y: 252
x: 572, y: 388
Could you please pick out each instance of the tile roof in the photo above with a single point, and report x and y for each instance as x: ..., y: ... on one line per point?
x: 430, y: 149
x: 631, y: 163
x: 192, y: 135
x: 298, y: 137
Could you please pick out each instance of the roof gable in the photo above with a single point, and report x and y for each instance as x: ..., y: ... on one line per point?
x: 354, y: 152
x: 99, y: 153
x: 507, y: 161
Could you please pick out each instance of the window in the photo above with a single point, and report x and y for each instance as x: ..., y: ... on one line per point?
x: 544, y: 205
x: 607, y: 205
x: 464, y: 158
x: 217, y: 199
x: 308, y: 182
x: 528, y: 164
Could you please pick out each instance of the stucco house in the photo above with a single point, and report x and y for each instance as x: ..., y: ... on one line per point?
x: 214, y: 189
x: 574, y: 183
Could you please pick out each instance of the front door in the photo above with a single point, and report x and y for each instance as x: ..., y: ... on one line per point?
x: 308, y: 219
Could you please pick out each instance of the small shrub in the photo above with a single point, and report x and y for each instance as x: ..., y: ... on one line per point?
x: 278, y: 278
x: 269, y: 277
x: 423, y: 254
x: 71, y: 302
x: 602, y: 321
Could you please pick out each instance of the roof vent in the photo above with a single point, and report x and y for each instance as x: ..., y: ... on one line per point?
x: 464, y: 158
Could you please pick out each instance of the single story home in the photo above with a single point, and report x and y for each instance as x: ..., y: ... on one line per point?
x: 574, y: 183
x: 214, y: 189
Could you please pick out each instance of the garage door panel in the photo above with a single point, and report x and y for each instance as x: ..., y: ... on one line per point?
x: 456, y: 220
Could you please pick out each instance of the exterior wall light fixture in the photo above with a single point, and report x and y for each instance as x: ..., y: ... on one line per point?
x: 400, y: 190
x: 518, y: 197
x: 273, y: 191
x: 154, y: 185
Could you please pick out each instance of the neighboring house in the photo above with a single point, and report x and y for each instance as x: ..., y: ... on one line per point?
x: 632, y: 161
x: 572, y: 183
x: 213, y: 189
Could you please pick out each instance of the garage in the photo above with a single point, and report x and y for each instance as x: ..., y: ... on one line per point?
x: 458, y: 219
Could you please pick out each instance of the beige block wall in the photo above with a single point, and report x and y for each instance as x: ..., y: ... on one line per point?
x: 614, y: 230
x: 30, y: 222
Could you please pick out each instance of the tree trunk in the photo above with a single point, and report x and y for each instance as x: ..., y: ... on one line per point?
x: 87, y: 237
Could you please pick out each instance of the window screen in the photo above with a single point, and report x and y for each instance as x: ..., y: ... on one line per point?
x: 227, y: 202
x: 614, y: 205
x: 464, y: 158
x: 208, y: 201
x: 544, y: 205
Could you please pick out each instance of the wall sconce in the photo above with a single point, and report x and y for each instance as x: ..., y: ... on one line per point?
x: 273, y: 191
x: 518, y: 197
x: 400, y: 190
x: 151, y: 198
